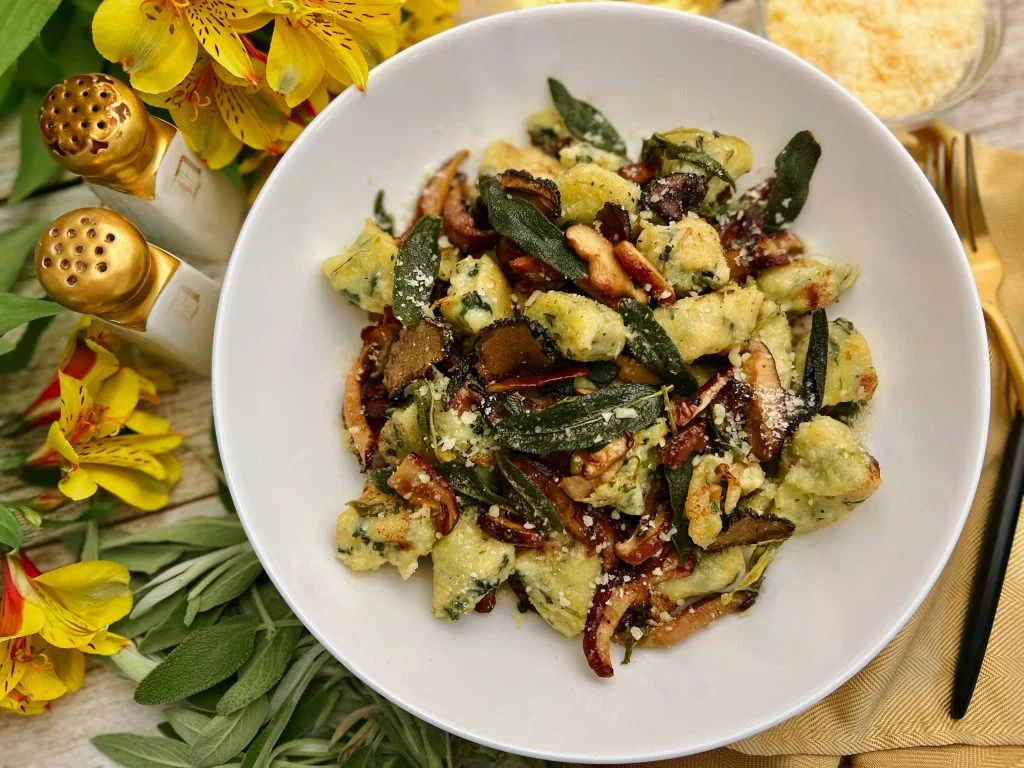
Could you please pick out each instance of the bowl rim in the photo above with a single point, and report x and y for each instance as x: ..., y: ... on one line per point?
x: 393, y: 68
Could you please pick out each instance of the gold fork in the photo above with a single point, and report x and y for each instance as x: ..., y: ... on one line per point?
x: 950, y: 168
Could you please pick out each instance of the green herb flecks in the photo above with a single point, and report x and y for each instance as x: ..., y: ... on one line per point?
x: 678, y: 486
x: 528, y: 228
x: 416, y: 266
x: 384, y: 220
x: 657, y: 147
x: 654, y: 348
x: 580, y: 422
x: 794, y: 167
x: 526, y: 496
x: 584, y: 121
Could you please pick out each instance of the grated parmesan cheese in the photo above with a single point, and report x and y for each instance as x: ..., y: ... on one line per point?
x: 898, y: 57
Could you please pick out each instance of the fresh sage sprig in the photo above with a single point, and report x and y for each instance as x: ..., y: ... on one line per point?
x: 794, y: 167
x: 584, y: 121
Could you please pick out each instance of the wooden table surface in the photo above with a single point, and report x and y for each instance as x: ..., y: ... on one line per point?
x: 995, y: 115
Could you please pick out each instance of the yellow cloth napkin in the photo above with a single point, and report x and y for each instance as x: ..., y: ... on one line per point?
x: 895, y: 713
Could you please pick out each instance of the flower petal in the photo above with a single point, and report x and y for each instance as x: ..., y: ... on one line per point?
x: 343, y: 58
x: 147, y: 423
x: 104, y: 365
x: 172, y: 467
x: 75, y: 401
x: 151, y: 41
x: 81, y: 599
x: 59, y: 444
x: 106, y: 644
x: 12, y: 664
x: 294, y: 64
x: 130, y: 451
x: 118, y: 397
x: 131, y: 487
x: 68, y: 664
x: 251, y: 117
x: 19, y: 616
x: 257, y: 21
x: 77, y: 485
x: 210, y: 20
x: 20, y: 704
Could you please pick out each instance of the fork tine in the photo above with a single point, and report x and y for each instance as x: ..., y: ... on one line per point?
x: 958, y: 196
x: 942, y: 177
x: 975, y: 213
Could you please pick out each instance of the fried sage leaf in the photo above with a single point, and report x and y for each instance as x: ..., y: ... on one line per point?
x: 580, y: 422
x: 678, y: 486
x: 584, y: 121
x: 658, y: 147
x: 813, y: 392
x: 416, y: 268
x: 468, y: 482
x: 794, y: 167
x: 526, y: 496
x: 384, y: 220
x: 653, y: 347
x: 524, y: 224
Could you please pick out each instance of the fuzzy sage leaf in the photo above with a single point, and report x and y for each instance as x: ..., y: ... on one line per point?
x: 794, y: 167
x: 187, y: 724
x: 584, y: 121
x: 261, y: 672
x: 815, y: 369
x: 580, y: 422
x: 224, y: 736
x: 658, y: 148
x: 11, y: 534
x: 528, y: 228
x: 133, y: 751
x: 654, y: 348
x: 526, y: 496
x: 467, y: 482
x: 678, y: 486
x: 416, y: 268
x: 206, y: 532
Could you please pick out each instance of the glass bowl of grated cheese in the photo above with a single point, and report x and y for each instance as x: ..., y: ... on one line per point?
x: 908, y: 61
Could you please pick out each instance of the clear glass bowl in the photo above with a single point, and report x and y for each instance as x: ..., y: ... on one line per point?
x: 989, y: 46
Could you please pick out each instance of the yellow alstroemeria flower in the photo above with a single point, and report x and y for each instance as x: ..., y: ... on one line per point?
x: 34, y: 673
x: 342, y: 39
x: 69, y: 607
x: 156, y: 41
x: 217, y: 115
x: 425, y: 18
x: 139, y: 469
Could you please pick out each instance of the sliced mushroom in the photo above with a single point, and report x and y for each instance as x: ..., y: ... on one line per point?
x: 775, y: 250
x: 525, y: 267
x: 686, y: 409
x: 743, y: 527
x: 699, y: 615
x: 681, y: 446
x: 610, y: 605
x: 541, y: 193
x: 577, y: 487
x: 513, y: 345
x: 612, y: 221
x: 604, y: 273
x: 602, y: 532
x: 638, y: 173
x: 767, y: 413
x: 597, y: 463
x: 418, y: 482
x: 486, y: 603
x: 460, y: 226
x: 646, y: 541
x: 511, y: 531
x: 431, y: 202
x: 363, y: 437
x: 419, y: 347
x: 638, y: 267
x: 568, y: 513
x: 671, y: 197
x: 533, y: 380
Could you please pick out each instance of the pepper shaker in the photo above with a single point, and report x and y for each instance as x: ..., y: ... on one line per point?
x: 96, y: 127
x: 95, y: 261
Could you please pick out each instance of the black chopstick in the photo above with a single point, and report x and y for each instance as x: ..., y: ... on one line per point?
x: 988, y: 582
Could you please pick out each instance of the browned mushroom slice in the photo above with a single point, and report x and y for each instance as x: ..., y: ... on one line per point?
x: 419, y: 346
x: 431, y: 202
x: 646, y: 541
x: 578, y: 488
x: 460, y: 226
x: 604, y: 273
x: 701, y: 614
x: 686, y: 409
x: 602, y: 532
x: 638, y: 267
x: 541, y: 193
x: 486, y: 603
x: 597, y: 463
x: 766, y: 411
x: 511, y: 531
x: 525, y: 267
x: 533, y: 380
x: 671, y: 197
x: 610, y: 605
x: 512, y: 345
x: 612, y: 221
x: 363, y: 437
x: 744, y: 527
x: 418, y: 482
x: 638, y: 173
x: 681, y: 446
x: 635, y: 372
x: 567, y: 511
x: 775, y: 250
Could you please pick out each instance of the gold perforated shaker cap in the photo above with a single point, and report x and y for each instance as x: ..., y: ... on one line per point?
x: 96, y: 262
x: 97, y: 127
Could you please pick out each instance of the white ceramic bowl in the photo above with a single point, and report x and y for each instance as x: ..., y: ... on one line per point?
x: 832, y: 600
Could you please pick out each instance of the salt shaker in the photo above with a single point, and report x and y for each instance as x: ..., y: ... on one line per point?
x: 95, y: 261
x: 95, y: 126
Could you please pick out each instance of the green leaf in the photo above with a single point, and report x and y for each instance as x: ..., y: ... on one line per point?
x: 186, y: 723
x: 528, y: 228
x: 90, y: 547
x: 36, y: 167
x: 261, y: 672
x: 11, y: 533
x: 526, y: 496
x: 658, y: 147
x: 678, y: 487
x: 469, y: 482
x: 203, y: 659
x: 584, y: 121
x: 815, y: 369
x: 7, y: 88
x: 654, y: 347
x: 19, y: 355
x: 794, y: 167
x: 211, y: 532
x: 21, y: 21
x: 416, y: 266
x: 579, y: 422
x: 384, y: 220
x: 166, y: 730
x: 15, y: 246
x: 311, y: 713
x: 364, y: 757
x: 379, y: 479
x: 17, y: 310
x: 224, y: 736
x: 144, y: 558
x: 172, y: 629
x: 132, y: 628
x: 232, y: 583
x: 206, y: 701
x: 134, y: 751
